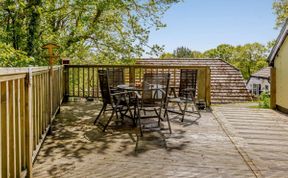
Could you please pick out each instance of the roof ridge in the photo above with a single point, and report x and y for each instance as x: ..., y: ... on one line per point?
x: 279, y: 41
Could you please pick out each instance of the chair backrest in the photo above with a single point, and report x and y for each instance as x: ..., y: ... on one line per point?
x: 188, y: 79
x: 116, y: 76
x: 104, y: 86
x: 151, y: 82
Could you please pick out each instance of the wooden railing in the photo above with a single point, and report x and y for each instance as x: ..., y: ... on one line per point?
x: 30, y: 98
x: 82, y: 80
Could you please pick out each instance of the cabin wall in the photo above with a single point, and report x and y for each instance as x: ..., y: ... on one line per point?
x: 281, y: 66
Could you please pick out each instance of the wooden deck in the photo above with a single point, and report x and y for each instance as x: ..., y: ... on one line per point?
x: 238, y: 142
x: 260, y: 135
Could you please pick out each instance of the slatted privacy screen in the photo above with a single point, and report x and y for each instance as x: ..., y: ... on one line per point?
x: 82, y: 80
x: 27, y: 107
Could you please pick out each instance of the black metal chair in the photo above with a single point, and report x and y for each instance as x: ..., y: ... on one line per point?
x: 115, y: 77
x: 187, y: 91
x: 153, y: 99
x: 116, y: 100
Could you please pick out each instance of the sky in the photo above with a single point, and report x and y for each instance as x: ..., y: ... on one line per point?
x: 204, y: 24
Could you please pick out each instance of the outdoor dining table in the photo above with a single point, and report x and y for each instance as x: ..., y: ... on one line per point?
x: 129, y: 87
x: 133, y: 88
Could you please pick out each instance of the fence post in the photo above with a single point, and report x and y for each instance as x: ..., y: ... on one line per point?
x: 208, y: 86
x: 28, y: 122
x: 201, y: 82
x: 59, y: 88
x: 131, y: 74
x: 0, y: 131
x: 51, y: 92
x: 273, y: 88
x: 66, y: 83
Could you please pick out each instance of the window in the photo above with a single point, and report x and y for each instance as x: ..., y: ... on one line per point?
x: 256, y: 89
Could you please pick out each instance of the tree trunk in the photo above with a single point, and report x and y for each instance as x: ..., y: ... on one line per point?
x: 33, y: 26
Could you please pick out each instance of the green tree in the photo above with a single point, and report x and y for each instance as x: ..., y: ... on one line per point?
x: 114, y: 29
x: 280, y: 8
x: 166, y: 56
x: 223, y: 51
x: 11, y: 57
x: 250, y: 57
x: 196, y: 54
x: 182, y: 52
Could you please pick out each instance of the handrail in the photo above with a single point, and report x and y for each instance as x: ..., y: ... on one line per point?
x: 137, y: 66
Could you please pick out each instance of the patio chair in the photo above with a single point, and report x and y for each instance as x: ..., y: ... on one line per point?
x: 117, y: 101
x: 187, y: 91
x: 115, y: 77
x: 153, y: 99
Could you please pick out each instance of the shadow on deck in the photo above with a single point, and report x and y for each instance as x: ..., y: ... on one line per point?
x: 77, y: 148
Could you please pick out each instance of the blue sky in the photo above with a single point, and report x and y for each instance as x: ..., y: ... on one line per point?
x: 204, y: 24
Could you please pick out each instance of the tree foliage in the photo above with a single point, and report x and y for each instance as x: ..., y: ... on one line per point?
x: 84, y: 29
x: 223, y: 51
x: 11, y: 57
x: 249, y: 58
x: 182, y: 52
x: 280, y: 8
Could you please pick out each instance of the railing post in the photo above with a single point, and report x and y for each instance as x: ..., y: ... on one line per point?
x: 66, y: 83
x: 131, y: 74
x: 208, y: 87
x: 28, y: 122
x: 51, y: 92
x: 1, y: 130
x: 59, y: 88
x: 201, y: 82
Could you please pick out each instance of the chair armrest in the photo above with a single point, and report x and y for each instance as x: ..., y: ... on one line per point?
x: 119, y: 93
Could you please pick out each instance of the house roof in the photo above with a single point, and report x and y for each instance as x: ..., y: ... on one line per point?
x: 280, y: 40
x: 227, y: 83
x: 262, y: 73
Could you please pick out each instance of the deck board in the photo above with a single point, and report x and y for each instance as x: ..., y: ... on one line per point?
x: 77, y: 148
x: 230, y: 142
x: 263, y: 132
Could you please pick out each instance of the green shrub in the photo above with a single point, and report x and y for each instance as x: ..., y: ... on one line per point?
x: 264, y: 100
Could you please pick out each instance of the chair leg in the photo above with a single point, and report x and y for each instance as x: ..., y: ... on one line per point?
x: 185, y: 108
x: 109, y: 120
x: 168, y: 120
x: 102, y: 109
x: 139, y: 123
x: 159, y: 116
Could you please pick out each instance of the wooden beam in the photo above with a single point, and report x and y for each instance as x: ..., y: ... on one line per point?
x: 12, y: 141
x: 208, y: 87
x: 1, y: 134
x: 273, y: 88
x: 201, y: 83
x: 28, y: 124
x: 6, y: 151
x: 131, y: 75
x: 139, y: 66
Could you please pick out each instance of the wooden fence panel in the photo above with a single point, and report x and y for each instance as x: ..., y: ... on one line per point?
x: 82, y: 80
x: 25, y: 116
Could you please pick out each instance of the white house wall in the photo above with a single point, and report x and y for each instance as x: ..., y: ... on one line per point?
x: 255, y: 80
